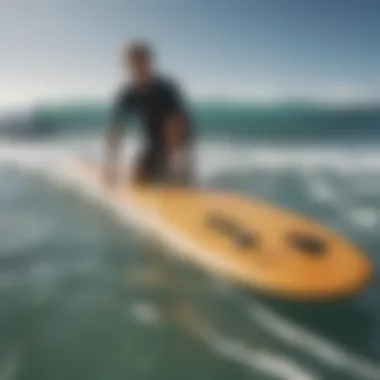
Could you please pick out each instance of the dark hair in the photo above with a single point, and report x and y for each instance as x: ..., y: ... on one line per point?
x: 138, y: 49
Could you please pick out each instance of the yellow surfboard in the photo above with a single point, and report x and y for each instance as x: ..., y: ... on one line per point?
x: 243, y: 239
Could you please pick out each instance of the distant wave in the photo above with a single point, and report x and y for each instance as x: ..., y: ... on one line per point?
x: 282, y: 122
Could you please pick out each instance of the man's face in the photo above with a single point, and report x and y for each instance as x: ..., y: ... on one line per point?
x: 138, y: 67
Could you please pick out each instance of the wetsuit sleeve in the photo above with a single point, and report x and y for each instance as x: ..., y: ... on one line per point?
x: 174, y: 103
x: 177, y: 111
x: 121, y: 108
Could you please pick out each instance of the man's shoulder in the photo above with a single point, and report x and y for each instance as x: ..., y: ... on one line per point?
x: 125, y: 93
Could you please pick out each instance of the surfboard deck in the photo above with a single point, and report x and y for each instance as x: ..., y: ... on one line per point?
x: 243, y: 239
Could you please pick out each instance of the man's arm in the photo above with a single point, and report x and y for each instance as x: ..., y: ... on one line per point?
x: 112, y: 154
x: 176, y: 123
x: 177, y: 132
x: 175, y: 127
x: 113, y: 140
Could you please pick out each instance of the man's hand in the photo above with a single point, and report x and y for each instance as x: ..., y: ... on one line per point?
x: 109, y: 176
x: 174, y: 131
x: 111, y: 159
x: 174, y: 140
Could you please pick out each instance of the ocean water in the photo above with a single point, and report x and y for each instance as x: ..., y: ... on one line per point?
x: 83, y: 296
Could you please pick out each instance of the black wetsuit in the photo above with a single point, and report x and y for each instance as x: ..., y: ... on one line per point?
x: 154, y: 105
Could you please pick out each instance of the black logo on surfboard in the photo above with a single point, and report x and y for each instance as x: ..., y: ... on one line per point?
x: 241, y: 237
x: 245, y: 239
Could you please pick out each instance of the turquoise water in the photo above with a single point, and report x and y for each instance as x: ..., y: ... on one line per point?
x: 86, y: 297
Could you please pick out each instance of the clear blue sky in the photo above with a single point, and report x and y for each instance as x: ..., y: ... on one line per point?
x: 251, y: 49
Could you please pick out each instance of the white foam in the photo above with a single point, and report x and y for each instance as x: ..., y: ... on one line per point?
x: 220, y: 157
x: 365, y: 186
x: 264, y: 361
x: 364, y: 217
x: 10, y: 366
x: 31, y: 155
x: 254, y: 359
x: 35, y: 230
x: 321, y: 191
x: 145, y: 313
x: 312, y: 344
x: 213, y: 157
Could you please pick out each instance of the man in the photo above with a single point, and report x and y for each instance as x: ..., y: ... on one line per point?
x: 166, y: 156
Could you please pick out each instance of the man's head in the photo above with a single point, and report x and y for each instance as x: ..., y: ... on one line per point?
x: 138, y: 59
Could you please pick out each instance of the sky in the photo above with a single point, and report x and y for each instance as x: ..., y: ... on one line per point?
x: 259, y: 50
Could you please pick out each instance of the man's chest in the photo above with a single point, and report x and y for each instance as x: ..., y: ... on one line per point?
x: 150, y: 105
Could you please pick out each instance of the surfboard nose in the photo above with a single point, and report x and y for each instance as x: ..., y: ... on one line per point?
x: 352, y: 277
x: 340, y: 280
